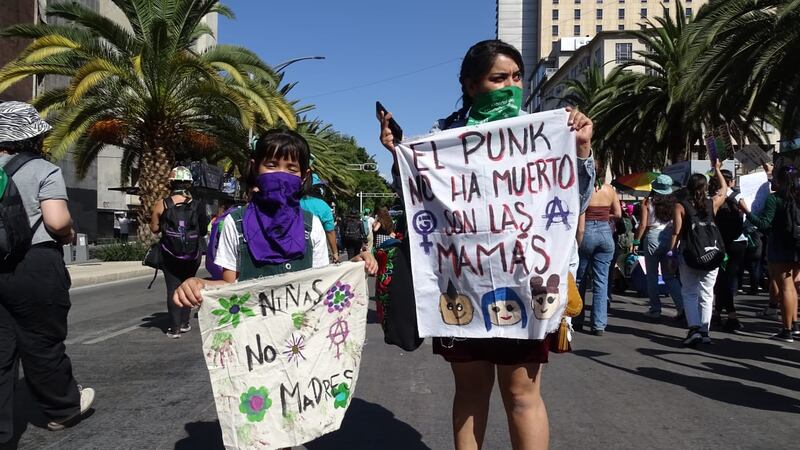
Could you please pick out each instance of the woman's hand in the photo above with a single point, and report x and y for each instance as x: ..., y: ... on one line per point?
x: 370, y: 263
x: 187, y: 294
x: 582, y: 125
x: 386, y: 137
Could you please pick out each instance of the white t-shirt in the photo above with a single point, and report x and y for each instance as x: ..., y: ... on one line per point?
x: 228, y: 251
x: 737, y: 198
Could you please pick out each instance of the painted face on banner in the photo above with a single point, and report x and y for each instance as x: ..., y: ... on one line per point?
x: 544, y: 299
x: 503, y: 307
x: 456, y: 308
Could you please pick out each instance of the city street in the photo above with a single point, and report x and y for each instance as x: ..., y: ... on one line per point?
x: 635, y: 387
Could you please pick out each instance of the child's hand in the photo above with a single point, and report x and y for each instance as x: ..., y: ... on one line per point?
x: 370, y: 263
x: 187, y: 294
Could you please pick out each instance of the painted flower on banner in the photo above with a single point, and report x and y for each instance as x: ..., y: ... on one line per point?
x: 255, y: 403
x: 341, y: 394
x: 338, y: 297
x: 233, y: 309
x: 299, y: 320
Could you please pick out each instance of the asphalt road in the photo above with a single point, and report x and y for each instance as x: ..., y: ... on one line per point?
x: 635, y: 387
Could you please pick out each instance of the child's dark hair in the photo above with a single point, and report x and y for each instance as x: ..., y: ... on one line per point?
x: 663, y: 205
x: 477, y: 62
x: 281, y: 143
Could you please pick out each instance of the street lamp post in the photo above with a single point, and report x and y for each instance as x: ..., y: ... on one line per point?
x: 279, y: 67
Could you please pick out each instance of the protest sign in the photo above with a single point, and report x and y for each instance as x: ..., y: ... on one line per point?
x: 283, y: 353
x: 493, y: 211
x: 752, y: 156
x: 755, y: 189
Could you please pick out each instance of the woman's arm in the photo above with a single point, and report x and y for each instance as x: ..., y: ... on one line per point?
x: 581, y: 228
x: 57, y: 220
x: 718, y: 198
x: 642, y: 219
x: 763, y: 220
x: 677, y: 224
x: 616, y: 208
x: 155, y: 216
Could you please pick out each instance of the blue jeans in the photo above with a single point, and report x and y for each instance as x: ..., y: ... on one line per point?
x: 597, y: 249
x: 656, y: 245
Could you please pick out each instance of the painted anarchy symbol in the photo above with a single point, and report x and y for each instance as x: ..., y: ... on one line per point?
x: 556, y: 212
x: 424, y: 223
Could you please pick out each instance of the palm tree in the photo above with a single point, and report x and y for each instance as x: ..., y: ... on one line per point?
x: 745, y: 64
x: 145, y: 89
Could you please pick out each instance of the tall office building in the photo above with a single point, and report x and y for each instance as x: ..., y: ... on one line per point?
x: 586, y: 18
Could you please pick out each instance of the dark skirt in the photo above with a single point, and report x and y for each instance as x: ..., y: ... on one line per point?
x: 494, y: 350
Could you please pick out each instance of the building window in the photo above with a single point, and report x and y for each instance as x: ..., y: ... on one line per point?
x: 666, y: 12
x: 555, y: 2
x: 577, y: 14
x: 555, y: 14
x: 576, y: 30
x: 624, y: 52
x: 598, y: 56
x: 622, y: 13
x: 598, y: 28
x: 688, y: 12
x: 622, y: 1
x: 643, y: 13
x: 555, y: 30
x: 577, y: 2
x: 599, y: 14
x: 621, y: 27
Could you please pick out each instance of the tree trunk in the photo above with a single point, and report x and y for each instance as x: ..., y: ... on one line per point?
x: 153, y: 186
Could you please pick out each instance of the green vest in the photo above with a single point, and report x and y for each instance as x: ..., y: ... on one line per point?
x: 249, y: 268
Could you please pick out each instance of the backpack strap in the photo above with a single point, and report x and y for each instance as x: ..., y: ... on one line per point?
x: 168, y: 202
x: 18, y: 161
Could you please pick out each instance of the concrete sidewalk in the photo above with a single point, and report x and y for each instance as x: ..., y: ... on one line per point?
x: 90, y: 273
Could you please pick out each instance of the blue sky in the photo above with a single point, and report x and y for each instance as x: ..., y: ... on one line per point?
x: 405, y: 53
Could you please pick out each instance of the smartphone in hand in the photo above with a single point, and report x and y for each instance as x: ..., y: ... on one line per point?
x: 397, y: 132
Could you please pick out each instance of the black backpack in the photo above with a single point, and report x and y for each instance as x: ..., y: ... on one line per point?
x: 793, y: 221
x: 16, y: 232
x: 180, y: 229
x: 354, y: 230
x: 702, y: 243
x: 730, y: 219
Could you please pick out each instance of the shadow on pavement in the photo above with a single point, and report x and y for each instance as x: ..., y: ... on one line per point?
x: 366, y: 426
x: 369, y: 425
x: 726, y: 391
x: 158, y: 320
x: 202, y: 435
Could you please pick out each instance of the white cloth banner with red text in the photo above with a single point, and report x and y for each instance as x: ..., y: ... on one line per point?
x: 283, y: 353
x: 492, y: 213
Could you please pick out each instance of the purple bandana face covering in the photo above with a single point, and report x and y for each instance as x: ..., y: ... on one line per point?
x: 273, y: 221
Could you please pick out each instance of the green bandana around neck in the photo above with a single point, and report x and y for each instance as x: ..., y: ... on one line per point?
x: 495, y: 105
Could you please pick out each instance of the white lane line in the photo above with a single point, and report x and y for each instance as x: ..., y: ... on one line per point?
x: 142, y: 278
x: 93, y: 334
x: 111, y: 335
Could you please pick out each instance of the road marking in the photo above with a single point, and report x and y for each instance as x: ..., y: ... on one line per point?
x: 111, y: 335
x: 93, y: 334
x: 107, y: 283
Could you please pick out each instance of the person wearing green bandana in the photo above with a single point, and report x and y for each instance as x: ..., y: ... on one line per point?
x: 491, y: 85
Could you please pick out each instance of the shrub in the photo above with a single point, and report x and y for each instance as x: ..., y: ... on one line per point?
x: 131, y: 251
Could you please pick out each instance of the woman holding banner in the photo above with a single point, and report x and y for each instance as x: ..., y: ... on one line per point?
x: 491, y: 83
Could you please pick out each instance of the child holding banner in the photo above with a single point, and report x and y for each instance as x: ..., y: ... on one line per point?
x: 272, y: 234
x: 491, y: 83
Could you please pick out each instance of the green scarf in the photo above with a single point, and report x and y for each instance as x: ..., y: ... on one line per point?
x: 495, y: 105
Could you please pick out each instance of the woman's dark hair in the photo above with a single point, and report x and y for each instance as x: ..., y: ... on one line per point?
x: 663, y: 205
x: 477, y: 63
x: 697, y: 188
x: 788, y: 182
x: 385, y: 220
x: 32, y: 145
x: 280, y: 143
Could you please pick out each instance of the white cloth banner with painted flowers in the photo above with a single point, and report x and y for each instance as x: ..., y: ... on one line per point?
x: 492, y: 212
x: 283, y: 353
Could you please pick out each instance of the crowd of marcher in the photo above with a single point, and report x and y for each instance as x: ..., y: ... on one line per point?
x: 699, y: 241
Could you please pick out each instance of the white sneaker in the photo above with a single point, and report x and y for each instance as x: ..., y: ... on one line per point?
x: 186, y: 328
x: 173, y: 334
x: 87, y: 398
x: 693, y: 337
